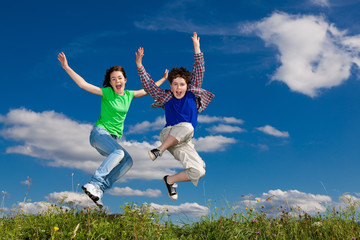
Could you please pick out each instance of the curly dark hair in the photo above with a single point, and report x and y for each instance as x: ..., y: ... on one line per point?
x: 106, y: 82
x: 179, y: 72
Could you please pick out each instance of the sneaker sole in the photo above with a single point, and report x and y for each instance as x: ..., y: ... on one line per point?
x: 94, y: 198
x: 99, y: 205
x: 151, y: 155
x: 171, y: 197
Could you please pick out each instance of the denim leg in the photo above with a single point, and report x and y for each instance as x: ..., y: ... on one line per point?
x: 119, y: 170
x: 117, y: 163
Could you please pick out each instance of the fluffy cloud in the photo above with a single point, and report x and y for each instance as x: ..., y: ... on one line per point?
x: 273, y: 131
x: 213, y: 143
x: 71, y: 199
x: 146, y: 126
x: 116, y: 191
x: 159, y: 123
x: 35, y: 208
x: 222, y: 128
x: 185, y: 209
x: 274, y: 199
x: 294, y: 200
x: 314, y: 54
x: 62, y: 142
x: 66, y: 199
x: 212, y: 119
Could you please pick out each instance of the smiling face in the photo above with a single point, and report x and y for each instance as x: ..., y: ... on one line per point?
x: 178, y: 87
x: 117, y: 82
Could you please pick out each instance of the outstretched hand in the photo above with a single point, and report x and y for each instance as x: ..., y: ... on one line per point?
x: 196, y: 42
x: 62, y: 60
x: 166, y: 74
x: 139, y: 56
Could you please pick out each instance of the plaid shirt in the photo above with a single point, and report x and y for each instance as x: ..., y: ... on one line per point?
x: 161, y: 96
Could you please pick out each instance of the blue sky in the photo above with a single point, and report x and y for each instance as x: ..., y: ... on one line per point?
x: 284, y: 121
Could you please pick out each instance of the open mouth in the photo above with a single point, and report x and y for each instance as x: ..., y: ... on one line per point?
x: 118, y: 86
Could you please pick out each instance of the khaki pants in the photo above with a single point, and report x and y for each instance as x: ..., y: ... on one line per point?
x: 184, y: 151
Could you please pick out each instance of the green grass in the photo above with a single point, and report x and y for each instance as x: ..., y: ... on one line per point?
x: 142, y: 223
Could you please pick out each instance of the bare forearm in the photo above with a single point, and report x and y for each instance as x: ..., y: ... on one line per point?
x: 197, y: 49
x: 76, y: 77
x: 82, y: 83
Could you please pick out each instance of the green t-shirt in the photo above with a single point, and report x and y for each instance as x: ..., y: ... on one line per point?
x: 114, y: 108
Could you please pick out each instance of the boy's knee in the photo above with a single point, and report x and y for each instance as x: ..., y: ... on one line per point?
x: 195, y: 173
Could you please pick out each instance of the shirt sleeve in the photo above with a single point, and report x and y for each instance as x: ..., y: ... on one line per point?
x: 198, y: 70
x: 149, y: 85
x: 131, y: 94
x: 105, y: 92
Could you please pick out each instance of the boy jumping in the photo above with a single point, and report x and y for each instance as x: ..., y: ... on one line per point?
x: 182, y: 104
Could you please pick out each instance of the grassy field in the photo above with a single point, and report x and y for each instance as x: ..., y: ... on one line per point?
x: 140, y: 222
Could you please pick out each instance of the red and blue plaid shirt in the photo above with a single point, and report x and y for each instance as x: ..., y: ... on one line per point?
x: 161, y: 96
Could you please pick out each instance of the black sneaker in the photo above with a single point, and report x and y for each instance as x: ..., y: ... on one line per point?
x: 171, y: 188
x: 154, y: 153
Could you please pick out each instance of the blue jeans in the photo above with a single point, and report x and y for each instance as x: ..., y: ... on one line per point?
x: 117, y: 163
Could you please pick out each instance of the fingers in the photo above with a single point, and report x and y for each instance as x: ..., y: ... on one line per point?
x: 194, y: 37
x: 139, y: 53
x: 61, y: 56
x: 166, y: 74
x: 141, y: 50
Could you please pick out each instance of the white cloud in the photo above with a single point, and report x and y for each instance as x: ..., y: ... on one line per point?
x: 146, y: 126
x: 62, y: 142
x: 116, y: 191
x: 186, y: 209
x: 273, y: 131
x: 213, y: 143
x: 321, y: 3
x: 212, y: 119
x: 159, y: 123
x: 312, y: 52
x: 274, y: 199
x: 65, y: 199
x: 71, y: 199
x: 222, y: 128
x: 36, y: 208
x: 293, y: 200
x: 346, y: 201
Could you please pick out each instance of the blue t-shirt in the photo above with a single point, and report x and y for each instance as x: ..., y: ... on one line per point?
x: 181, y: 110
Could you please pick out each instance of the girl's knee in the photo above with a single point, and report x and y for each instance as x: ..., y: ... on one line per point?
x: 119, y: 152
x: 128, y: 159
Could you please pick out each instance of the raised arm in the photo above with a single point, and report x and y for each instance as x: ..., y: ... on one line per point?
x: 199, y: 65
x: 77, y: 78
x: 196, y: 42
x: 142, y: 92
x: 147, y: 82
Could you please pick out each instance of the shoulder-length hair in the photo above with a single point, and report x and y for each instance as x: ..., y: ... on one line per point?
x: 106, y: 82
